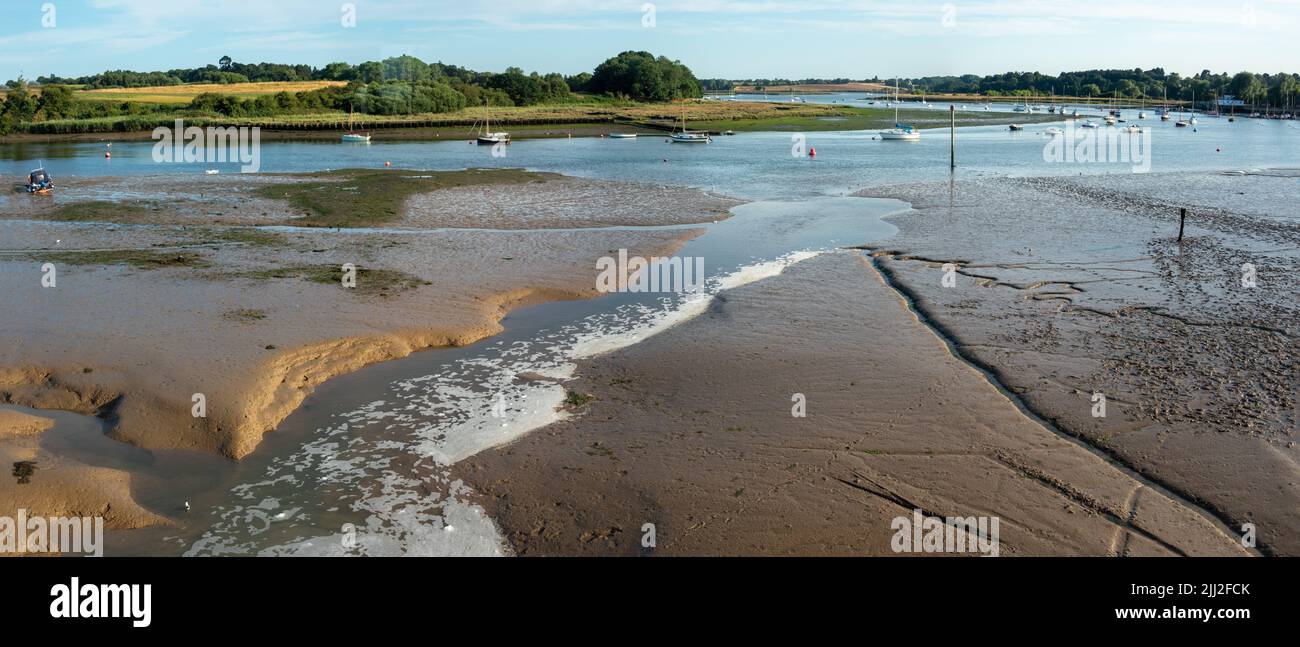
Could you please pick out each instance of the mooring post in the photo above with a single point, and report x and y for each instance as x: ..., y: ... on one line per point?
x: 952, y: 137
x: 1182, y: 220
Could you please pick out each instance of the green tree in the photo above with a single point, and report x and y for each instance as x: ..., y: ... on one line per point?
x: 55, y: 102
x: 640, y: 76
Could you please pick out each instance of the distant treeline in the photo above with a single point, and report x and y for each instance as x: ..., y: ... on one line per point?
x: 1271, y: 90
x: 1276, y: 90
x: 393, y: 86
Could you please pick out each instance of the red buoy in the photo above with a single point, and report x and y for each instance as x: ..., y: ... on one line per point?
x: 107, y: 154
x: 812, y: 152
x: 388, y: 163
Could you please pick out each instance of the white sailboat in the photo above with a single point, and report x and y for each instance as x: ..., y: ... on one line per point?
x: 684, y: 136
x: 486, y: 136
x: 899, y: 132
x: 355, y: 135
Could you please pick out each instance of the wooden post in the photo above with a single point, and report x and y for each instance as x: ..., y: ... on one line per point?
x: 1182, y: 220
x: 952, y: 140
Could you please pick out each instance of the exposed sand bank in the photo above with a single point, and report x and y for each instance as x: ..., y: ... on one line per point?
x: 691, y: 430
x: 16, y: 424
x: 143, y: 317
x: 46, y: 484
x: 1068, y: 287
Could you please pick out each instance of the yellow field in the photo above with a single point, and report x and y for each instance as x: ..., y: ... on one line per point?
x: 186, y: 93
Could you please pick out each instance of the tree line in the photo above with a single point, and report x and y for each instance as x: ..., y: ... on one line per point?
x: 394, y: 86
x: 1269, y: 90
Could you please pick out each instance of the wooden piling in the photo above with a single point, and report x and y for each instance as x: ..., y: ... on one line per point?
x: 952, y: 138
x: 1182, y: 220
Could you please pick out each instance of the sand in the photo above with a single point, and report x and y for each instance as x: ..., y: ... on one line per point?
x: 692, y: 430
x: 1068, y: 287
x: 248, y: 322
x: 58, y: 486
x: 16, y: 424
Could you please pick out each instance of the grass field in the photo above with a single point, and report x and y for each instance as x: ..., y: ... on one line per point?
x: 183, y: 94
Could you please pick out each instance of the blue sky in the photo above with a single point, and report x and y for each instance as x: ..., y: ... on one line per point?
x: 716, y: 38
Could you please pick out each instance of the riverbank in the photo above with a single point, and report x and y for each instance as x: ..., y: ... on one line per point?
x: 567, y: 120
x: 187, y: 329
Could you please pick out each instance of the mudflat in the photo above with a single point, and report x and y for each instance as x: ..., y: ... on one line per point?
x: 186, y: 328
x: 1073, y: 289
x: 693, y: 431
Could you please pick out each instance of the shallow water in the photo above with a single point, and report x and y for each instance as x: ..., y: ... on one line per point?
x: 747, y: 165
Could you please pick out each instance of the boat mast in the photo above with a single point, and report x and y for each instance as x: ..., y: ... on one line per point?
x: 896, y: 102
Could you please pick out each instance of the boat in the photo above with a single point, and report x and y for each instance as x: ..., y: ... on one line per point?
x: 899, y: 132
x: 39, y: 182
x: 684, y: 136
x: 1192, y: 120
x: 1015, y: 127
x: 486, y: 136
x: 1110, y: 120
x: 355, y: 135
x: 1054, y: 132
x: 1133, y: 129
x: 622, y: 135
x: 1089, y: 124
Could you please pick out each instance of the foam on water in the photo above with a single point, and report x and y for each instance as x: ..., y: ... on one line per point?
x: 390, y: 459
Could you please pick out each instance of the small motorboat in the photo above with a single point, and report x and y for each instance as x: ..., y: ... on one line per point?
x: 622, y: 135
x: 39, y: 182
x: 1054, y: 132
x: 1016, y: 127
x: 1089, y: 124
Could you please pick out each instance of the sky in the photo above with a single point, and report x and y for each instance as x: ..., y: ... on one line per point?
x: 715, y: 38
